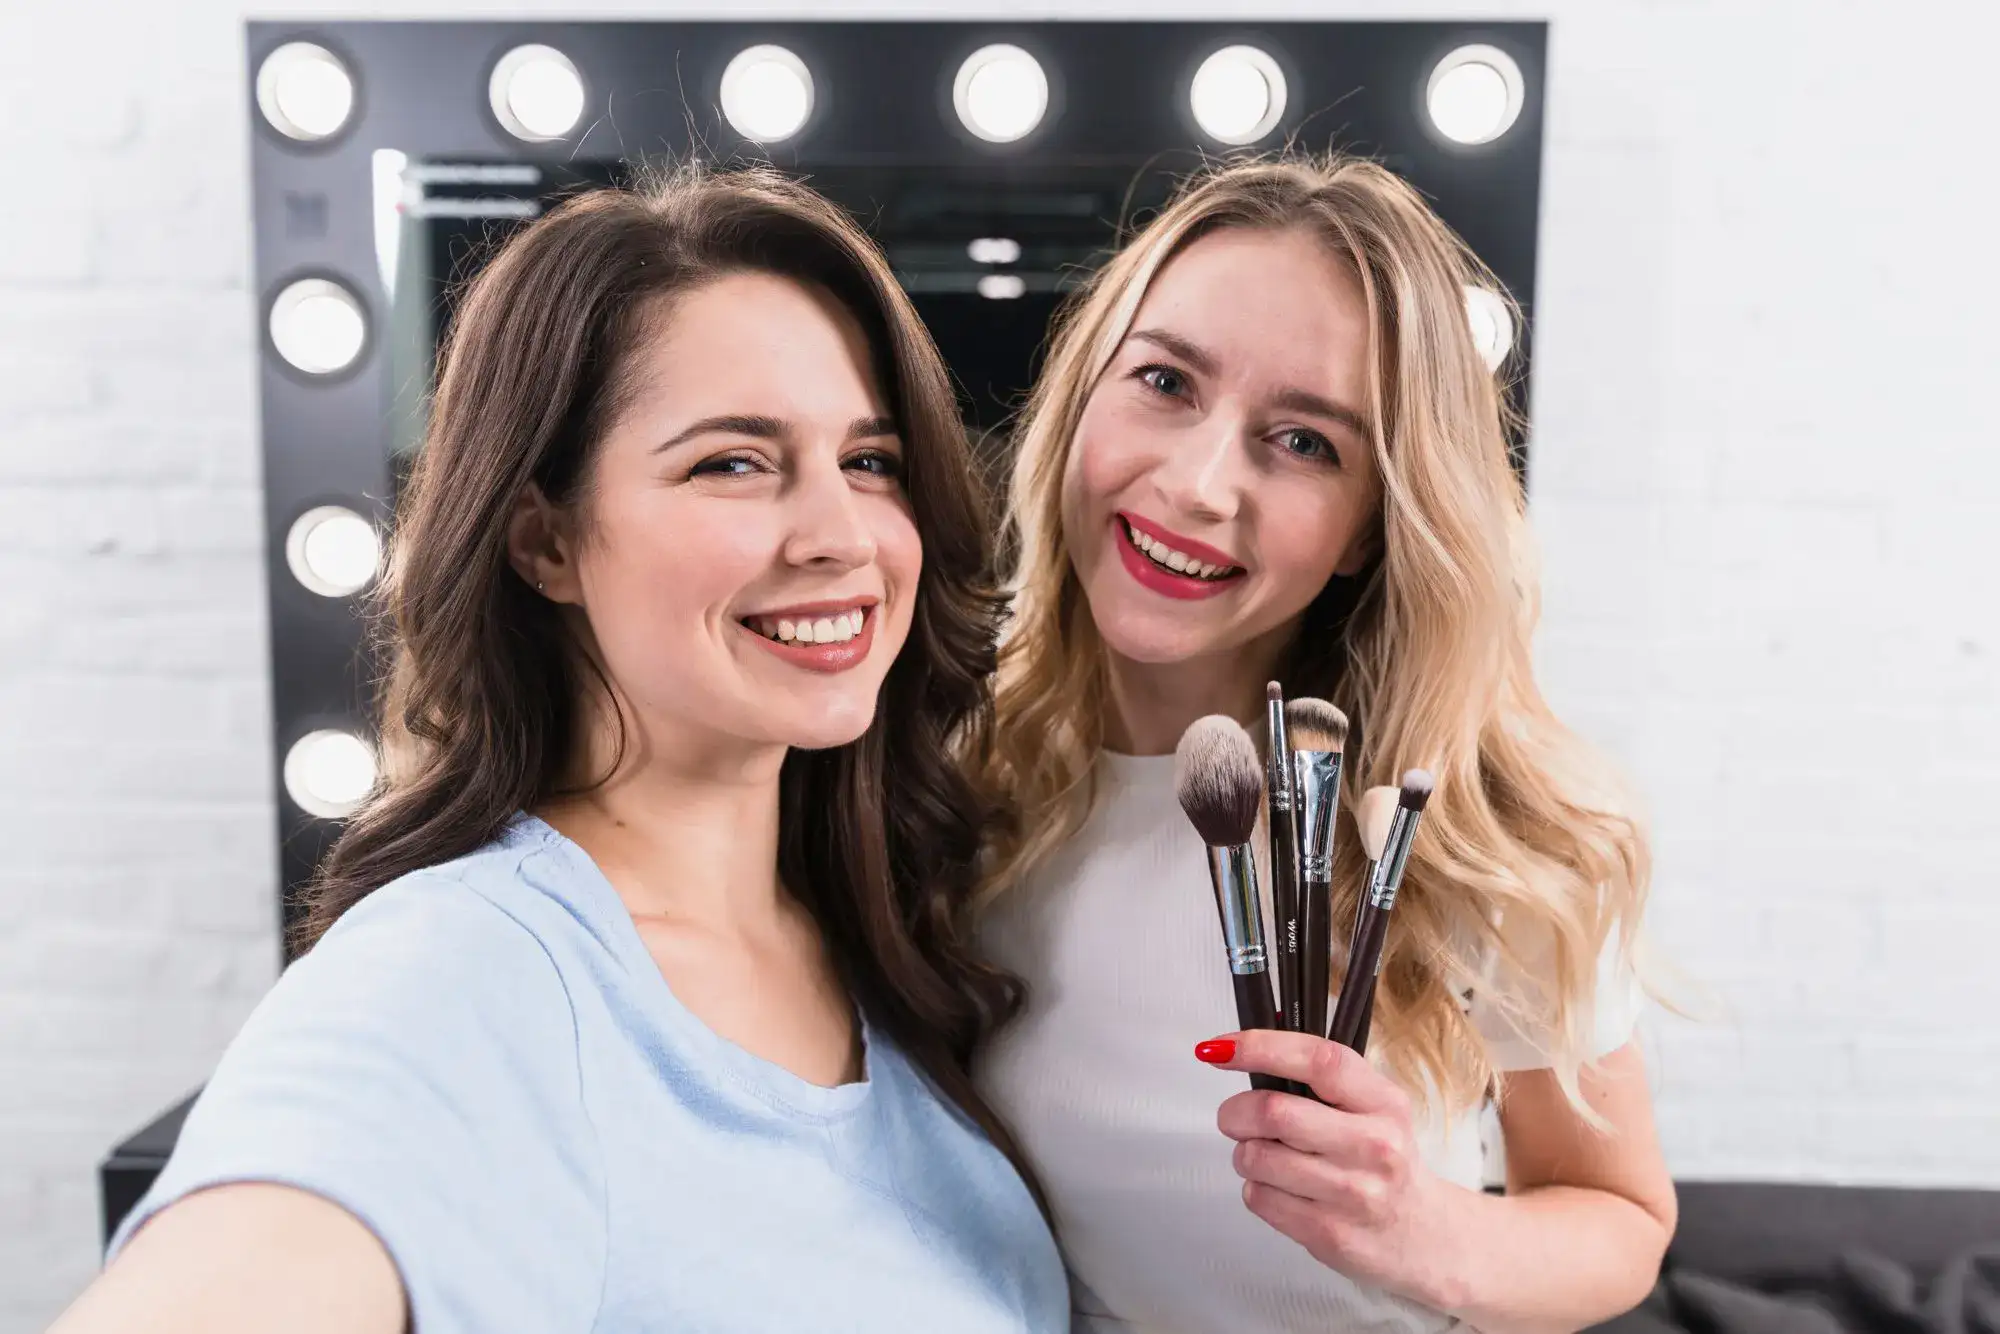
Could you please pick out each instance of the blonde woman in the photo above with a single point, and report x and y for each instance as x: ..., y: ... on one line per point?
x: 1265, y: 447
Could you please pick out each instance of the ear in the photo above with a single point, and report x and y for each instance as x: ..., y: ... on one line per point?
x: 541, y: 546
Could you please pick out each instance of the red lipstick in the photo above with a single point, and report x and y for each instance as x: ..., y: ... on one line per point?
x: 1149, y: 573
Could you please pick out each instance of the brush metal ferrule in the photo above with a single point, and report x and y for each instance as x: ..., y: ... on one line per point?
x: 1388, y: 876
x: 1235, y: 877
x: 1318, y: 778
x: 1277, y: 773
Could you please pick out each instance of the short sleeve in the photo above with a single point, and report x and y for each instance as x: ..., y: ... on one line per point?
x: 418, y: 1068
x: 1614, y: 1015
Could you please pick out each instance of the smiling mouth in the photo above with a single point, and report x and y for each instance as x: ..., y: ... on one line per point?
x: 1176, y: 562
x: 810, y: 629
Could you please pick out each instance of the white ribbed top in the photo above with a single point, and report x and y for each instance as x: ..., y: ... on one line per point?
x: 1118, y: 939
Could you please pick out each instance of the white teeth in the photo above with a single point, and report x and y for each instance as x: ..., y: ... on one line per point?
x: 1178, y: 562
x: 822, y: 630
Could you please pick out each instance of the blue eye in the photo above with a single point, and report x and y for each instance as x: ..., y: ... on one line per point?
x: 1309, y: 445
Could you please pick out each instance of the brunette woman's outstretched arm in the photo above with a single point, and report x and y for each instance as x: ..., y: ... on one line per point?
x: 248, y: 1258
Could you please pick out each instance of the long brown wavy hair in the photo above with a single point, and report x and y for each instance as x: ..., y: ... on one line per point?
x: 483, y: 695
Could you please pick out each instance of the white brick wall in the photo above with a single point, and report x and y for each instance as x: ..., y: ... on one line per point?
x: 1765, y: 476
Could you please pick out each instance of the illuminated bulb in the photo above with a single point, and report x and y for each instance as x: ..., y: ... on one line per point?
x: 994, y: 250
x: 536, y: 93
x: 1238, y: 95
x: 317, y: 325
x: 767, y: 94
x: 333, y: 551
x: 1000, y: 93
x: 1474, y: 94
x: 1002, y: 286
x: 304, y: 91
x: 328, y: 772
x: 1492, y: 326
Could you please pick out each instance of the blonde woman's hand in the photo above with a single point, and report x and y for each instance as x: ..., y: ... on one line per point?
x: 1342, y: 1177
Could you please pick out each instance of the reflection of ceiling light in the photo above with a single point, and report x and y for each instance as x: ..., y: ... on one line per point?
x: 536, y: 93
x: 332, y: 550
x: 317, y: 326
x: 1002, y: 286
x: 994, y: 250
x: 767, y: 93
x: 327, y: 773
x: 1237, y: 95
x: 304, y: 91
x: 1474, y: 94
x: 1492, y: 325
x: 1001, y: 93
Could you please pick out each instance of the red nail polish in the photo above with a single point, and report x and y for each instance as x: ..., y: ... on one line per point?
x: 1215, y: 1052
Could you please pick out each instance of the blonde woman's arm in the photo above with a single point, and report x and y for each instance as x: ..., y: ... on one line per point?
x: 1583, y: 1227
x: 1578, y: 1238
x: 245, y: 1259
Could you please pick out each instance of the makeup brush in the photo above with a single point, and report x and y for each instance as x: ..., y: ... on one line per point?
x: 1357, y: 991
x: 1377, y: 811
x: 1318, y: 734
x: 1284, y: 830
x: 1216, y: 781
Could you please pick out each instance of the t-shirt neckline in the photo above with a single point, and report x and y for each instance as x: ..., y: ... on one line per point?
x: 784, y: 1089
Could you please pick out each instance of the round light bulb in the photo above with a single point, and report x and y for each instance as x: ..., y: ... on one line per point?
x: 536, y: 93
x: 1492, y: 325
x: 318, y: 326
x: 328, y: 772
x: 1000, y: 93
x: 993, y: 250
x: 767, y: 94
x: 1474, y: 95
x: 333, y: 551
x: 305, y: 91
x: 1238, y: 95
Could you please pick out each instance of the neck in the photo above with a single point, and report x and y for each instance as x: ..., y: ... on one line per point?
x: 686, y: 825
x: 1152, y: 703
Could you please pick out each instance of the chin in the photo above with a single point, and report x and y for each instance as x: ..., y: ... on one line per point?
x: 1143, y: 638
x: 1148, y: 635
x: 826, y: 725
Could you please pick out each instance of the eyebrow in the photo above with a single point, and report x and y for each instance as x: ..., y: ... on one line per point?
x: 761, y: 427
x: 1297, y: 400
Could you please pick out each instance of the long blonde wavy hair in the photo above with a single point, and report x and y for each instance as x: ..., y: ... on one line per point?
x: 1528, y: 861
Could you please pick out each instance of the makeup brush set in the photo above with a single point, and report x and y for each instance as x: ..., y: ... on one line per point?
x: 1221, y: 787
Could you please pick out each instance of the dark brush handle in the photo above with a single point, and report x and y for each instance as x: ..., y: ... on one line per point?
x: 1357, y: 990
x: 1367, y: 1018
x: 1316, y: 931
x: 1255, y: 1009
x: 1288, y: 916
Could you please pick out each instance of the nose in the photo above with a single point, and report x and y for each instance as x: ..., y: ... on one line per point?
x: 1204, y: 474
x: 827, y: 528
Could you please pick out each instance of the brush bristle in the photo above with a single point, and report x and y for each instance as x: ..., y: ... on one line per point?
x: 1217, y: 780
x: 1314, y: 724
x: 1274, y: 692
x: 1378, y: 809
x: 1417, y: 787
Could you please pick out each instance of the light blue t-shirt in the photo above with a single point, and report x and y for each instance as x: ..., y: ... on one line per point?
x: 483, y: 1064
